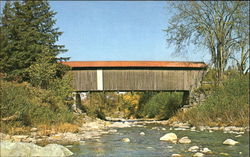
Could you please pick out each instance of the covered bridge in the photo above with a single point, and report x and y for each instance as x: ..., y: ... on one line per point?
x: 135, y: 75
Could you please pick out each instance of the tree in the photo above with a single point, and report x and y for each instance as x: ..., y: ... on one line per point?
x: 27, y: 27
x: 42, y: 71
x: 217, y: 25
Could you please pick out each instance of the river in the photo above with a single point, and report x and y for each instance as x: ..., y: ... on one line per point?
x: 150, y: 145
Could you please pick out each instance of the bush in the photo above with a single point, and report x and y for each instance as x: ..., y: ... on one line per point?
x: 163, y: 105
x: 32, y: 106
x: 227, y: 105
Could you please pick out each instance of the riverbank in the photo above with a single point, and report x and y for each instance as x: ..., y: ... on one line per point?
x: 94, y: 128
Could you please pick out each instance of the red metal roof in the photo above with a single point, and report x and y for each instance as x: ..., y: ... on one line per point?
x: 88, y: 64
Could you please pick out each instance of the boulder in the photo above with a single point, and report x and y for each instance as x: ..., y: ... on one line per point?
x: 184, y: 140
x: 206, y: 150
x: 127, y: 140
x: 230, y: 142
x: 193, y: 149
x: 55, y: 150
x: 31, y: 149
x: 142, y: 133
x: 19, y: 149
x: 169, y: 137
x: 198, y: 155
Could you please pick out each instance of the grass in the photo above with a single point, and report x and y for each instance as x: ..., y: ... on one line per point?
x: 227, y: 105
x: 32, y: 107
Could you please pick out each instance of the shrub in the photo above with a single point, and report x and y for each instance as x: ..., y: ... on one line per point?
x: 163, y: 105
x: 32, y: 106
x: 227, y: 105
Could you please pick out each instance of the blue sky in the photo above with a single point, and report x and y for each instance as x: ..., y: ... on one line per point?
x: 115, y: 30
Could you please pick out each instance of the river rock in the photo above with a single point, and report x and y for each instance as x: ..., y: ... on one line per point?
x: 4, y: 136
x: 30, y: 149
x: 202, y: 128
x: 142, y: 133
x: 224, y: 154
x: 198, y: 155
x: 182, y: 129
x: 230, y: 142
x: 33, y: 129
x: 55, y: 150
x: 120, y: 125
x: 176, y: 155
x: 127, y: 140
x: 180, y: 125
x: 206, y: 150
x: 193, y: 149
x: 214, y: 128
x: 193, y: 128
x: 169, y: 137
x: 112, y: 130
x: 184, y: 140
x: 19, y: 138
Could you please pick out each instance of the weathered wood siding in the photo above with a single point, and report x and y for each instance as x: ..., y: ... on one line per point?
x: 138, y: 79
x: 84, y: 80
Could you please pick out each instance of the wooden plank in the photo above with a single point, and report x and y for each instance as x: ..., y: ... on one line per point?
x: 137, y: 79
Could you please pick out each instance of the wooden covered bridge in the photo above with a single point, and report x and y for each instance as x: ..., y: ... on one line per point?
x: 135, y: 75
x: 122, y: 76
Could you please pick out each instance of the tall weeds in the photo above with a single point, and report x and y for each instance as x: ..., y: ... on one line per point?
x: 228, y: 104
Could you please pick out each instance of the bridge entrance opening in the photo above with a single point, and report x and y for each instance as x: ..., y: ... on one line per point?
x: 131, y: 105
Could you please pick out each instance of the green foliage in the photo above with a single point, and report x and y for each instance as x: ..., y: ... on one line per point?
x: 27, y: 27
x: 97, y: 104
x: 33, y: 106
x: 62, y: 86
x: 228, y: 104
x: 132, y: 105
x: 42, y: 71
x: 163, y: 105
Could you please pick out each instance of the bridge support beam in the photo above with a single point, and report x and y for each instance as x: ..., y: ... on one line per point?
x: 185, y: 98
x: 77, y: 105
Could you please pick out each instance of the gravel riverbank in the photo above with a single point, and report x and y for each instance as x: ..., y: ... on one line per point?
x: 94, y: 128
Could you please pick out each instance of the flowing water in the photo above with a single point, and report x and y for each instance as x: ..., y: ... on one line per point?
x: 150, y: 145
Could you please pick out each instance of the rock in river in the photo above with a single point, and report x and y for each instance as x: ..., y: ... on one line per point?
x: 193, y: 149
x: 127, y: 140
x: 31, y: 149
x: 198, y: 155
x: 206, y: 150
x: 176, y: 155
x: 230, y: 142
x: 170, y: 137
x: 184, y: 140
x: 142, y: 133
